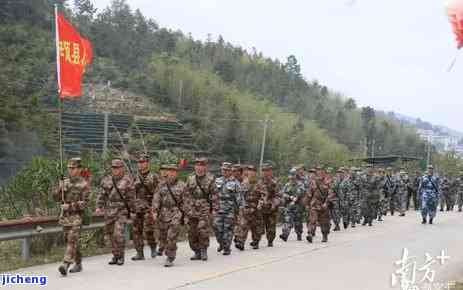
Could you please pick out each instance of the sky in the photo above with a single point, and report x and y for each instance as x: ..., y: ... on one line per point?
x: 389, y: 54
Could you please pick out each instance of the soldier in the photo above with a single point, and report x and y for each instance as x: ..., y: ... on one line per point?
x: 318, y: 200
x: 226, y: 208
x: 292, y: 194
x: 391, y: 190
x: 446, y: 195
x: 347, y: 200
x: 162, y: 177
x: 143, y: 224
x: 429, y: 191
x: 302, y: 177
x: 402, y: 191
x: 411, y: 191
x: 200, y: 191
x: 459, y: 190
x: 335, y: 210
x: 238, y: 171
x: 73, y: 195
x: 168, y: 212
x: 357, y: 193
x: 251, y: 216
x: 115, y: 200
x: 444, y: 186
x: 383, y: 201
x: 372, y: 194
x: 269, y: 189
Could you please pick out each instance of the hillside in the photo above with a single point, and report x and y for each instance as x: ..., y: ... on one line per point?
x: 221, y: 92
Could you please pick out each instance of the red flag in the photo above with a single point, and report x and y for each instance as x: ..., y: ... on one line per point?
x: 74, y: 53
x: 455, y: 13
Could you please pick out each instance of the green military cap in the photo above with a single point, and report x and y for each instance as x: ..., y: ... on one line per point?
x: 251, y: 167
x: 74, y: 162
x: 292, y: 172
x: 267, y: 166
x: 226, y: 165
x: 201, y: 160
x: 299, y: 166
x: 171, y: 167
x: 117, y: 162
x: 143, y: 157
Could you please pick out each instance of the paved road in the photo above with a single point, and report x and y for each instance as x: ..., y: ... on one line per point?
x: 361, y: 259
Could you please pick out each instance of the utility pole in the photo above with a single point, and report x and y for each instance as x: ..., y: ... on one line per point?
x: 180, y: 94
x: 428, y: 159
x: 266, y: 122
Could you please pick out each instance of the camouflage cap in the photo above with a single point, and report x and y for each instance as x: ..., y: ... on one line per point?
x: 340, y: 170
x: 74, y: 162
x: 201, y: 160
x: 318, y: 167
x: 251, y: 167
x: 117, y: 162
x: 292, y: 172
x: 143, y: 157
x: 170, y: 167
x: 267, y: 166
x: 430, y: 166
x: 226, y: 165
x: 237, y: 166
x: 300, y: 166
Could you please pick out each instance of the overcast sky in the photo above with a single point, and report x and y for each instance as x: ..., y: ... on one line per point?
x: 390, y: 54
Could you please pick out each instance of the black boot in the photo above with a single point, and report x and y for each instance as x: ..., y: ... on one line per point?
x: 270, y: 244
x: 380, y: 218
x: 169, y: 262
x: 284, y: 238
x: 120, y: 261
x: 113, y: 261
x: 161, y: 251
x: 255, y: 245
x: 139, y: 256
x: 345, y: 225
x: 63, y: 269
x: 76, y: 268
x: 402, y: 214
x: 353, y: 225
x: 309, y: 239
x: 239, y: 246
x: 196, y: 256
x: 430, y: 221
x: 364, y: 223
x: 226, y: 251
x: 325, y: 238
x: 424, y: 221
x: 299, y: 237
x: 370, y: 223
x: 441, y: 209
x: 459, y: 209
x: 337, y: 228
x: 154, y: 253
x: 220, y: 248
x: 204, y: 255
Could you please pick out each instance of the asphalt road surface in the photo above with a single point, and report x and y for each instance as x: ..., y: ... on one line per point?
x: 362, y: 259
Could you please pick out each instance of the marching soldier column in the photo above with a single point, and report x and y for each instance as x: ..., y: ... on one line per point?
x: 235, y: 204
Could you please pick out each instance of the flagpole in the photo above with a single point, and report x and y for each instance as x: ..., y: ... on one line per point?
x: 58, y: 73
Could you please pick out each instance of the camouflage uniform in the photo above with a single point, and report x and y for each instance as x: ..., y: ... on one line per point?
x: 292, y: 195
x: 317, y: 200
x: 371, y: 202
x: 251, y: 216
x: 168, y: 213
x: 357, y: 194
x: 402, y: 190
x: 459, y: 190
x: 116, y: 209
x: 429, y: 192
x: 269, y: 203
x: 412, y: 193
x: 447, y: 195
x: 348, y: 202
x: 335, y: 210
x: 73, y: 194
x: 143, y: 223
x: 198, y: 210
x: 226, y: 207
x: 390, y: 188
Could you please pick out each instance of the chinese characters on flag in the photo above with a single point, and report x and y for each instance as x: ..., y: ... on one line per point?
x: 74, y: 53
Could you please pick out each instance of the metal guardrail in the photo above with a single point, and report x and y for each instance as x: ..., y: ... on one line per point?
x: 27, y: 228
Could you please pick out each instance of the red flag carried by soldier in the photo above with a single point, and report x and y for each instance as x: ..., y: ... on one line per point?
x: 73, y: 54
